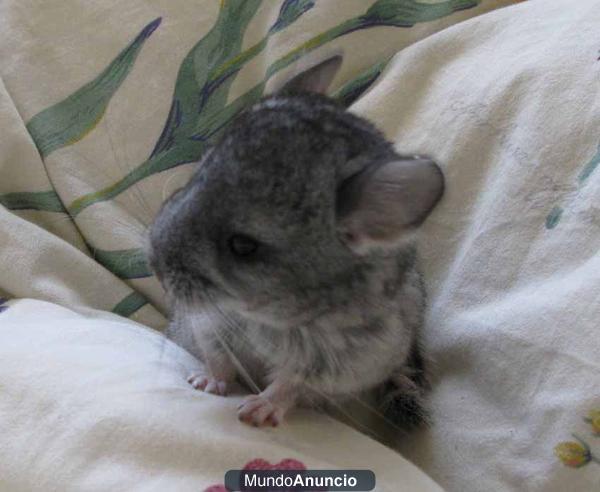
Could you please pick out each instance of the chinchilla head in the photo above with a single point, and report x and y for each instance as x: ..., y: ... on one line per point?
x: 286, y: 215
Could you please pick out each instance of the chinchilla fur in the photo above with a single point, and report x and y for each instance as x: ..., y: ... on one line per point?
x: 289, y: 258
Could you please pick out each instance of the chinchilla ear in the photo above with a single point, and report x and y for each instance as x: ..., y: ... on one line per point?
x: 317, y: 79
x: 378, y: 206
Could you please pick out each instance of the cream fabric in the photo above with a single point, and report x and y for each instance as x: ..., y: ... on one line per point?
x: 94, y: 82
x: 509, y: 104
x: 93, y: 401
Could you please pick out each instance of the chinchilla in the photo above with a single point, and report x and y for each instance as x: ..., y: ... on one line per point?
x: 289, y: 258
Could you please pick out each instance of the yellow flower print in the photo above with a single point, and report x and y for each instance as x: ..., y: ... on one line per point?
x: 578, y: 453
x: 593, y: 418
x: 573, y: 453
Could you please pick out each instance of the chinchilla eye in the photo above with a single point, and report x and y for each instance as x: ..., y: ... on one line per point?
x: 242, y: 245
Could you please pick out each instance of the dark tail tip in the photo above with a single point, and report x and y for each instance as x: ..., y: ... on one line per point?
x: 405, y: 408
x: 402, y: 398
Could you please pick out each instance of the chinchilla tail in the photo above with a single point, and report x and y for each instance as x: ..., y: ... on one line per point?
x: 403, y: 398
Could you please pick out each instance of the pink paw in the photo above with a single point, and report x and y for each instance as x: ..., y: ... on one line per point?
x: 208, y: 384
x: 259, y: 411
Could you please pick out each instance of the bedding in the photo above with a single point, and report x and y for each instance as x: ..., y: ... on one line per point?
x: 93, y: 401
x: 509, y: 102
x: 105, y: 107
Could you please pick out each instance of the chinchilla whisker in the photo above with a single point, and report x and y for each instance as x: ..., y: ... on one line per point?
x: 239, y: 366
x: 234, y: 327
x: 117, y: 226
x: 85, y: 180
x: 329, y: 399
x: 359, y: 425
x: 376, y: 412
x: 108, y: 222
x: 135, y: 188
x: 133, y: 226
x: 167, y: 182
x: 94, y: 171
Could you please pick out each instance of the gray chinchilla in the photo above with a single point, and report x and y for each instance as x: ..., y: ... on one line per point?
x: 289, y: 258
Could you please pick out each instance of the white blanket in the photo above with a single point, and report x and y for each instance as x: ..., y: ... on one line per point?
x: 509, y: 103
x: 92, y: 401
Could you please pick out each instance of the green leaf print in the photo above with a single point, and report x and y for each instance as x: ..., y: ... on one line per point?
x: 397, y: 13
x: 555, y: 215
x: 407, y: 13
x: 130, y: 304
x: 355, y: 88
x: 200, y: 95
x: 124, y: 263
x: 589, y: 168
x: 289, y: 12
x: 197, y: 71
x: 418, y: 12
x: 199, y: 110
x: 36, y: 200
x: 74, y: 117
